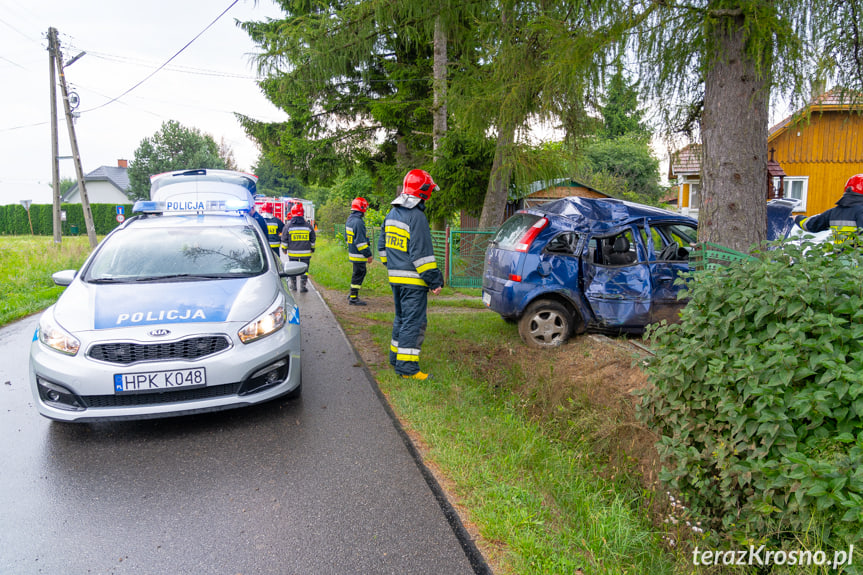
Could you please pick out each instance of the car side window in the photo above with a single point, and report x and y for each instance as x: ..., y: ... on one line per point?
x: 619, y: 249
x: 563, y: 244
x: 658, y: 242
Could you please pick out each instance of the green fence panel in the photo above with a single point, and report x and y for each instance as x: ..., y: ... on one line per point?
x: 467, y: 257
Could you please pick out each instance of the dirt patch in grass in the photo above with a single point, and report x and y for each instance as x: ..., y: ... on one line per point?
x: 581, y: 392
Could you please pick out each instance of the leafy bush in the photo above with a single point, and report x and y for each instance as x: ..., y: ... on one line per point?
x: 757, y: 396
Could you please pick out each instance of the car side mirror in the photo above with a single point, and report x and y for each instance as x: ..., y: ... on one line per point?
x: 64, y: 278
x: 293, y: 268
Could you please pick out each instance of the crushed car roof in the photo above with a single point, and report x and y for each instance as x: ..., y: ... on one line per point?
x: 593, y: 214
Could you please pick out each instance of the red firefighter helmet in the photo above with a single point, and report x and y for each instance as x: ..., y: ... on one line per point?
x: 360, y: 205
x: 297, y: 210
x: 855, y: 184
x: 419, y: 183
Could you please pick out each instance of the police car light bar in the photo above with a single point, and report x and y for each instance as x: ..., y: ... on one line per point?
x: 191, y: 206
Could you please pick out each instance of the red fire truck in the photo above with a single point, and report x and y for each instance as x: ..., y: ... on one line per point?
x: 281, y: 207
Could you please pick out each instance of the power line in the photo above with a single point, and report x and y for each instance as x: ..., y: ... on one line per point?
x: 168, y: 61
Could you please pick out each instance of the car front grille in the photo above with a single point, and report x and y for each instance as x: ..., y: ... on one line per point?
x: 126, y: 353
x: 133, y: 399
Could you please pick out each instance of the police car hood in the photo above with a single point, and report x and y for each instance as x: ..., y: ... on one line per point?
x: 85, y: 307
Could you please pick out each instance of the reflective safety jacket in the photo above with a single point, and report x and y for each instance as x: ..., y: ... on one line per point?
x: 405, y: 246
x: 274, y: 231
x: 358, y: 243
x: 846, y: 219
x: 298, y: 238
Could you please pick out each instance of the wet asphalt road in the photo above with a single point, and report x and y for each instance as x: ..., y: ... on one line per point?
x: 322, y: 485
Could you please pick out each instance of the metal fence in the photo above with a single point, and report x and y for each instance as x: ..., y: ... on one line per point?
x: 461, y: 251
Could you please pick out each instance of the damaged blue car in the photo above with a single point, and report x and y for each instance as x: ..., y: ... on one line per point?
x: 602, y: 265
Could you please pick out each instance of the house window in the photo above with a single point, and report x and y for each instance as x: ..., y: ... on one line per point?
x: 796, y: 188
x: 694, y: 195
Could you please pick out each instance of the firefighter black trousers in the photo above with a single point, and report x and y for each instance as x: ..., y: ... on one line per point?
x: 409, y: 328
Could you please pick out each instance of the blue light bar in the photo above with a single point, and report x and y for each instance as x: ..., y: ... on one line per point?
x: 191, y: 206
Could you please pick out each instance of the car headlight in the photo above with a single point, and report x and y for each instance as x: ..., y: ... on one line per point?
x: 268, y: 322
x: 55, y: 337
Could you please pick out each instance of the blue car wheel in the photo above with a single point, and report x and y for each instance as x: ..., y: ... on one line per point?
x: 545, y: 323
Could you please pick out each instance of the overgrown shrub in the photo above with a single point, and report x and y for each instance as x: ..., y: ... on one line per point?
x: 757, y: 396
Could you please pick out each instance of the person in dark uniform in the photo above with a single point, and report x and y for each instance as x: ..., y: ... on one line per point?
x: 405, y: 246
x: 359, y: 251
x: 298, y: 243
x: 274, y: 230
x: 253, y: 211
x: 845, y: 219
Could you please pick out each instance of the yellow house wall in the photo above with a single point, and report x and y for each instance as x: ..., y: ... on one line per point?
x: 828, y: 149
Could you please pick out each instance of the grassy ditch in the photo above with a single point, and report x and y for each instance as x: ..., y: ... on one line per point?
x: 26, y: 265
x: 536, y: 449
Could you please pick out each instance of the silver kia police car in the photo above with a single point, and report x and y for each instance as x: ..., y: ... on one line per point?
x: 182, y: 309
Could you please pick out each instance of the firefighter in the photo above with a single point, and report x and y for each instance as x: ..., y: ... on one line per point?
x: 846, y: 219
x: 359, y: 251
x: 274, y: 229
x: 298, y: 243
x: 405, y: 246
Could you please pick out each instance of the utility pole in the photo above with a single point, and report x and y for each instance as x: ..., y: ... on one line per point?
x: 76, y: 157
x: 55, y: 148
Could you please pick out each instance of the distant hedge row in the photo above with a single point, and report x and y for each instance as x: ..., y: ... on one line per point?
x: 13, y: 219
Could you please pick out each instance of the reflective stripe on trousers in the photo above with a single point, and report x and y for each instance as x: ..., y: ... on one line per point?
x: 409, y: 328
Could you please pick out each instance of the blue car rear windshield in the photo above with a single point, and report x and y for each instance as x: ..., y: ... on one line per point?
x: 195, y: 252
x: 513, y: 230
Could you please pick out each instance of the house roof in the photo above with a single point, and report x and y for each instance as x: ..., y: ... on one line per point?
x: 834, y: 100
x: 687, y: 160
x: 541, y: 185
x: 116, y: 175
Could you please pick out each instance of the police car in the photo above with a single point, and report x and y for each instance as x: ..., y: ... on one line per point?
x: 182, y: 309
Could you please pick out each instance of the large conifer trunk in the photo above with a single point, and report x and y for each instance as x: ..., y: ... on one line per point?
x: 733, y: 209
x: 494, y: 206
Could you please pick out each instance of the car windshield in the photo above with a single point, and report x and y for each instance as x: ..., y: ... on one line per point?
x: 177, y: 254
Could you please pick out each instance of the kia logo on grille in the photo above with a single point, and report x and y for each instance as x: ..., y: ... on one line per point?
x: 159, y: 332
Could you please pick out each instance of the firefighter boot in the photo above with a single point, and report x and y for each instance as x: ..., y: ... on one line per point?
x: 292, y: 284
x: 354, y: 298
x: 303, y: 281
x: 420, y: 376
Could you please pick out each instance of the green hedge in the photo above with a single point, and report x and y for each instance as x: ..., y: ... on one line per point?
x: 13, y: 219
x: 757, y: 398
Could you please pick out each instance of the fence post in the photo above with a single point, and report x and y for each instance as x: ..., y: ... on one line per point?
x: 446, y: 257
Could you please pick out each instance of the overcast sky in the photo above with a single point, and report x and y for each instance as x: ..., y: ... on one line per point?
x: 125, y: 42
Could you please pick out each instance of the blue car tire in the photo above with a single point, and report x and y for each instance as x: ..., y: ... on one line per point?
x: 545, y: 323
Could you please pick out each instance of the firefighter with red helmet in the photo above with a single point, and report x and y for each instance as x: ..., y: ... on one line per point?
x: 298, y: 243
x: 405, y: 246
x: 359, y: 250
x: 845, y: 219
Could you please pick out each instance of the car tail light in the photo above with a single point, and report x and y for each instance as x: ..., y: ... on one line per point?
x: 530, y: 235
x: 515, y: 277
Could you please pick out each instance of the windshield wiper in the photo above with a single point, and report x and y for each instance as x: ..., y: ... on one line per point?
x: 110, y: 280
x: 175, y: 277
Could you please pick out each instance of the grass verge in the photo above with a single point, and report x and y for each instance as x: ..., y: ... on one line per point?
x: 26, y: 265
